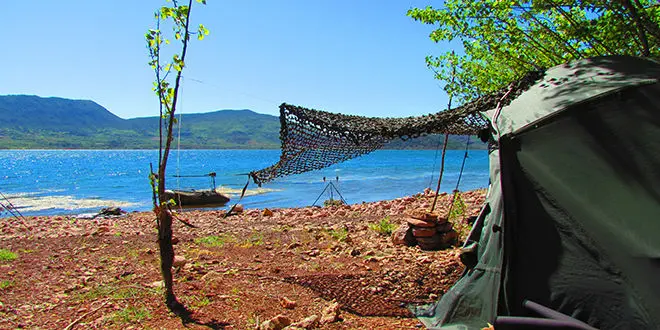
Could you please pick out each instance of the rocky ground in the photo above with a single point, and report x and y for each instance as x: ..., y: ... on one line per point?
x: 329, y: 268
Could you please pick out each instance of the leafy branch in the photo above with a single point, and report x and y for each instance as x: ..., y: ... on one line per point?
x: 502, y: 40
x: 179, y: 17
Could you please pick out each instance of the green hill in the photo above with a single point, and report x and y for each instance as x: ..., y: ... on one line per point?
x: 32, y: 122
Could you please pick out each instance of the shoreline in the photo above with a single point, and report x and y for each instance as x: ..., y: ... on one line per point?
x: 395, y: 208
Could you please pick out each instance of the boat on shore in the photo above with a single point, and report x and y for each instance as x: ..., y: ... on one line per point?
x: 197, y: 198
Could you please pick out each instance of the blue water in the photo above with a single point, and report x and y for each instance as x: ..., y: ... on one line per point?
x: 49, y: 182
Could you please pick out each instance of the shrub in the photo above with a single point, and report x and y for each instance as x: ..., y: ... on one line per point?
x: 383, y: 227
x: 340, y: 234
x: 458, y: 209
x: 333, y: 202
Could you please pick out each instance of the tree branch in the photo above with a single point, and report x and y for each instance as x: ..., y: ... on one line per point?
x: 641, y: 33
x: 576, y: 25
x: 565, y: 43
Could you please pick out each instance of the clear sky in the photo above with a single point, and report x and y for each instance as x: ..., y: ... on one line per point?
x: 362, y: 57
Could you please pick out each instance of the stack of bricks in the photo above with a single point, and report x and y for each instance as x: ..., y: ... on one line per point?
x: 428, y: 230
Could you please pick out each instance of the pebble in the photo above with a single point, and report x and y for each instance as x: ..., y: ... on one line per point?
x: 157, y: 284
x: 330, y: 314
x: 179, y: 261
x: 288, y: 303
x: 309, y: 322
x: 276, y: 323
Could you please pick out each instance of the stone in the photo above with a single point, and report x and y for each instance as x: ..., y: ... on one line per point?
x: 444, y: 227
x: 449, y: 237
x: 403, y: 236
x: 309, y: 322
x: 101, y: 230
x: 111, y: 211
x: 276, y: 323
x: 238, y: 209
x: 210, y: 276
x: 430, y: 243
x: 267, y: 213
x: 179, y: 261
x: 330, y: 314
x: 287, y: 303
x: 420, y: 223
x: 423, y: 232
x: 157, y: 284
x: 440, y: 220
x: 426, y: 216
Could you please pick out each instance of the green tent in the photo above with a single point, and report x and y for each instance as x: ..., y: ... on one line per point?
x: 571, y: 223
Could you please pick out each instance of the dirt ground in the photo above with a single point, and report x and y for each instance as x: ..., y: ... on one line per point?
x: 234, y: 273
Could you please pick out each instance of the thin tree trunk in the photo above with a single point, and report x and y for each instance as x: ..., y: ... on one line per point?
x: 167, y: 259
x: 164, y: 216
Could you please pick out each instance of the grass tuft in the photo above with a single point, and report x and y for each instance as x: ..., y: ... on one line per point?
x: 6, y: 255
x: 132, y: 314
x: 215, y: 240
x: 6, y: 284
x: 255, y: 239
x: 340, y: 234
x: 383, y: 227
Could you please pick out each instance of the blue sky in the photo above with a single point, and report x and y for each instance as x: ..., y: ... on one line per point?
x: 355, y: 57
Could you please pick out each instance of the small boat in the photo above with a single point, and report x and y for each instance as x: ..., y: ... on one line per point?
x: 197, y: 198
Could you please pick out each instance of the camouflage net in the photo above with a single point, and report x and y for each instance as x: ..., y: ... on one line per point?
x: 313, y: 139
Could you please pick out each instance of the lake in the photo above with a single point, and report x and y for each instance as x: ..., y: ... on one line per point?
x: 62, y: 182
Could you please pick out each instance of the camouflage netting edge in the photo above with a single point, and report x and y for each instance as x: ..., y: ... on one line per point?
x: 313, y: 139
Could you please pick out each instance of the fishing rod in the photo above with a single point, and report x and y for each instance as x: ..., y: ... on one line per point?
x: 11, y: 209
x: 331, y: 186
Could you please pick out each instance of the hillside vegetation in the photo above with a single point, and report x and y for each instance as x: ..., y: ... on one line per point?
x: 32, y: 122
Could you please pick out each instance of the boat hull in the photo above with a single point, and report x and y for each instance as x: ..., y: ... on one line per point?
x: 197, y: 198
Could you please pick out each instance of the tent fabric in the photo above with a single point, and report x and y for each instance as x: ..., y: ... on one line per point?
x: 572, y: 83
x: 574, y: 203
x: 587, y: 212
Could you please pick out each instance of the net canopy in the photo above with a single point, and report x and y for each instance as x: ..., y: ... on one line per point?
x: 313, y: 139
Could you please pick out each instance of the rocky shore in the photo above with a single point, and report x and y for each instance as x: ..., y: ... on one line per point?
x: 334, y: 267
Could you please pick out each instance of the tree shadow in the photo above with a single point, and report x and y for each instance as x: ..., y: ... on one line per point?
x: 187, y: 318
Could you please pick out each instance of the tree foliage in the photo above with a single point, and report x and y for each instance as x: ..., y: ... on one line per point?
x: 502, y: 40
x: 178, y: 16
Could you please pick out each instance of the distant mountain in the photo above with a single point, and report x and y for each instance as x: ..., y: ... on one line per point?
x: 32, y: 122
